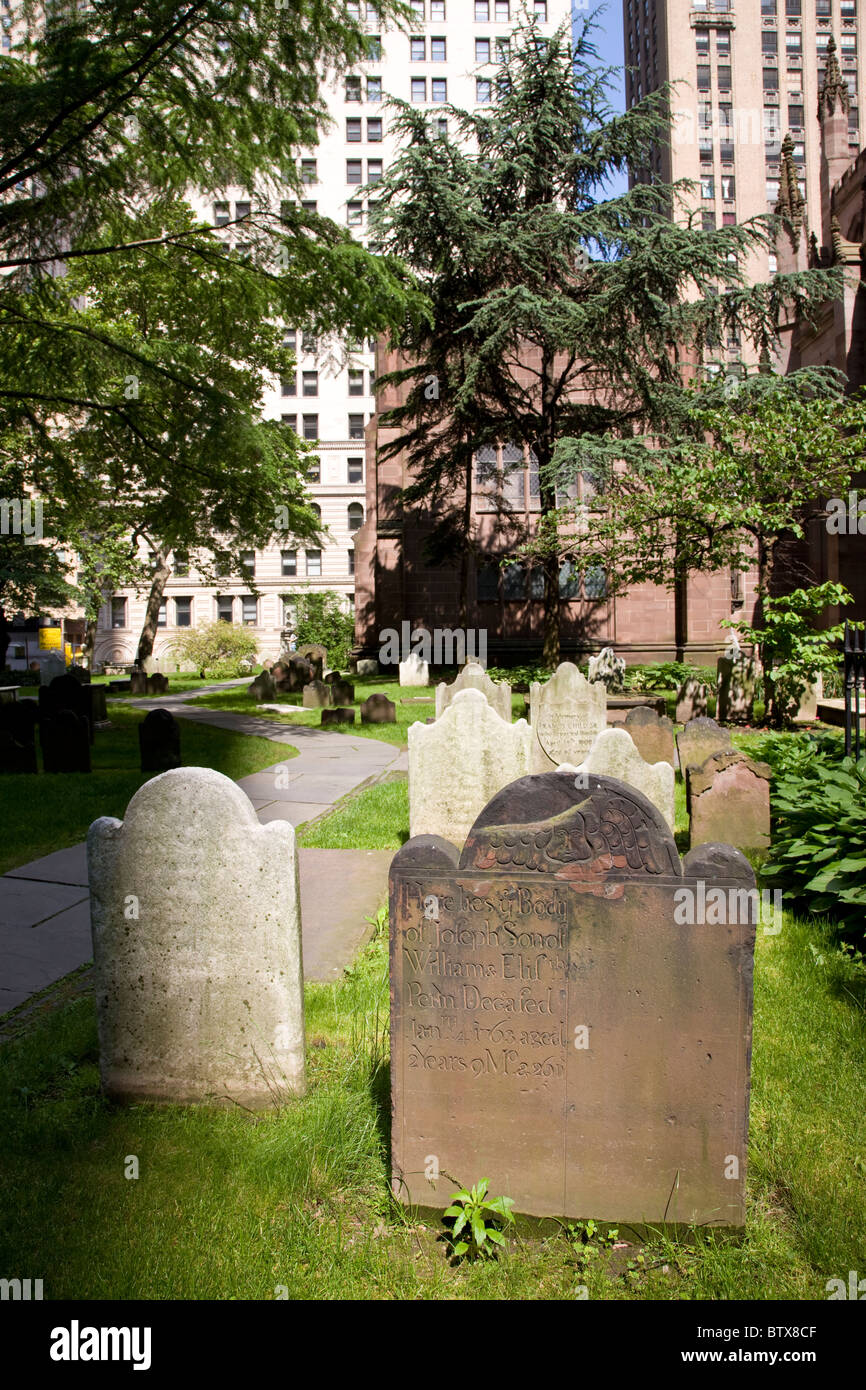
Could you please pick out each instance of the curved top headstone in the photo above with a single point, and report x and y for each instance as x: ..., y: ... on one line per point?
x: 474, y: 677
x: 566, y: 714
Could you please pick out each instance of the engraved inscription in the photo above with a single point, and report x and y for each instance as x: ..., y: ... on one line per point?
x: 566, y: 737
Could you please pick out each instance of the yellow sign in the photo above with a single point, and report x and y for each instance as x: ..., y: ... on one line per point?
x: 50, y: 639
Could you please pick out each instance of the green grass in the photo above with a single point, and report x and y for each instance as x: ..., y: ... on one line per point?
x: 240, y: 702
x: 231, y: 1206
x: 54, y: 810
x: 375, y: 818
x: 178, y: 684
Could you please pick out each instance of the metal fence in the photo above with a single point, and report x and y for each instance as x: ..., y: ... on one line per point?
x: 855, y: 680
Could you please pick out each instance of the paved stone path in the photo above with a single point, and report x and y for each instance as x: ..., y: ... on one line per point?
x: 45, y: 908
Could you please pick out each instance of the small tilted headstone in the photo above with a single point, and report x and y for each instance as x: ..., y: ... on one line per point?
x: 138, y: 682
x: 159, y: 741
x: 339, y: 715
x: 65, y: 740
x: 378, y: 709
x: 692, y: 700
x: 414, y: 671
x: 366, y: 667
x: 729, y: 801
x: 263, y: 687
x: 342, y: 691
x: 571, y: 1011
x: 317, y: 656
x: 197, y: 947
x: 157, y: 684
x: 698, y: 740
x: 317, y: 694
x: 653, y: 734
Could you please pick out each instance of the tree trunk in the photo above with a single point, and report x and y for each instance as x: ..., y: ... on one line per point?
x: 464, y: 559
x: 161, y: 575
x: 90, y: 629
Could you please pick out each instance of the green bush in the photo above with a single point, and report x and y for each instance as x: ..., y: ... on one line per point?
x: 321, y: 618
x: 818, y: 804
x: 219, y: 651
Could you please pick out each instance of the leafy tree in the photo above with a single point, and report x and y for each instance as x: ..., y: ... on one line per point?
x: 533, y: 342
x: 107, y: 562
x: 218, y: 649
x: 793, y: 651
x: 322, y: 618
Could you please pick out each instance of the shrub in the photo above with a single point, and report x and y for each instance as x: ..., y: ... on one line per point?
x: 818, y: 804
x: 219, y: 651
x: 321, y: 618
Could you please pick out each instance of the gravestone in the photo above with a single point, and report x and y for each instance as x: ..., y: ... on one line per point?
x: 316, y: 655
x: 317, y: 694
x: 692, y: 700
x: 197, y: 947
x: 736, y: 678
x: 807, y: 705
x: 698, y: 740
x: 263, y: 688
x: 474, y: 677
x: 159, y: 741
x: 18, y: 736
x: 81, y: 674
x: 65, y: 740
x: 653, y: 735
x: 608, y: 668
x: 457, y: 763
x: 567, y: 712
x: 571, y: 1010
x: 97, y: 709
x: 729, y: 796
x: 614, y: 754
x: 414, y: 671
x: 66, y: 693
x: 338, y: 715
x: 367, y: 666
x: 378, y: 709
x: 53, y: 665
x: 157, y: 684
x: 292, y: 673
x: 342, y: 691
x: 138, y: 682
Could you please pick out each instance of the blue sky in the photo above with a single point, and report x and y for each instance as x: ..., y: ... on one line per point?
x: 608, y: 41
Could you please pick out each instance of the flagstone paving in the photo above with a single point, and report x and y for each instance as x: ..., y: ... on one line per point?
x: 45, y: 908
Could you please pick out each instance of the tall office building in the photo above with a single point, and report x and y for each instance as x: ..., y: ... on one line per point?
x: 449, y: 57
x: 747, y: 73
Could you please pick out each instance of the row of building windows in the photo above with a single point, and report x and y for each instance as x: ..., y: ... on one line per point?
x: 310, y: 383
x: 517, y: 582
x: 310, y: 426
x: 794, y: 8
x: 229, y: 607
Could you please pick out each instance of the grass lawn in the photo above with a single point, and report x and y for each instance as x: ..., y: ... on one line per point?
x: 54, y: 810
x: 231, y: 1206
x: 178, y: 684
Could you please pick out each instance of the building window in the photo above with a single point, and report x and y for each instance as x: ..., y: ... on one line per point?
x: 354, y: 171
x: 354, y: 214
x: 483, y: 91
x: 248, y: 561
x: 723, y: 43
x: 418, y: 9
x: 482, y: 11
x: 374, y: 171
x: 351, y: 562
x: 180, y: 564
x: 314, y: 563
x: 729, y: 219
x: 309, y: 206
x: 183, y: 612
x: 355, y: 470
x: 502, y: 11
x: 418, y: 50
x: 702, y: 43
x: 162, y: 615
x: 569, y: 580
x: 353, y: 129
x: 439, y: 89
x: 309, y: 171
x: 794, y: 44
x: 309, y: 342
x: 772, y: 190
x: 793, y: 7
x: 768, y: 7
x: 374, y: 129
x: 289, y: 422
x: 771, y: 79
x: 290, y: 338
x: 355, y: 516
x: 595, y: 583
x: 314, y: 469
x: 374, y: 89
x: 223, y: 562
x: 724, y: 77
x: 796, y: 114
x: 419, y: 89
x: 707, y: 186
x: 437, y: 10
x: 487, y: 582
x: 226, y: 609
x: 288, y: 563
x: 770, y: 42
x: 354, y: 9
x: 248, y: 610
x: 118, y: 612
x: 703, y: 78
x: 708, y: 222
x: 311, y: 426
x: 513, y: 582
x: 374, y: 48
x: 242, y: 210
x: 540, y: 8
x: 437, y: 50
x: 356, y: 427
x: 221, y: 214
x: 353, y: 89
x: 289, y: 385
x: 310, y: 385
x: 356, y: 383
x: 482, y: 50
x: 728, y: 183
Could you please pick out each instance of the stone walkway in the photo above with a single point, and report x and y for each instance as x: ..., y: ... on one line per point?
x: 44, y: 905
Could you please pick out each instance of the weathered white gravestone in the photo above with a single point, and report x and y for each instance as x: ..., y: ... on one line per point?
x: 474, y: 677
x: 567, y: 712
x: 457, y: 763
x: 414, y: 671
x: 197, y: 946
x: 613, y: 754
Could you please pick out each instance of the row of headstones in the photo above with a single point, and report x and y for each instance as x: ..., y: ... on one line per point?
x: 564, y: 944
x: 463, y: 759
x: 66, y: 713
x: 332, y: 693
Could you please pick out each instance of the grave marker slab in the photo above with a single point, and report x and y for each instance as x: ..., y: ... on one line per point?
x: 65, y: 740
x: 457, y: 763
x: 263, y: 687
x: 698, y: 740
x: 316, y: 655
x: 378, y: 709
x: 653, y: 735
x: 474, y: 677
x: 342, y: 691
x: 730, y: 795
x: 614, y: 754
x: 692, y: 700
x: 157, y: 683
x: 340, y: 714
x: 17, y: 736
x: 317, y: 694
x: 159, y: 741
x: 568, y: 1019
x: 197, y: 947
x: 414, y: 671
x: 567, y: 712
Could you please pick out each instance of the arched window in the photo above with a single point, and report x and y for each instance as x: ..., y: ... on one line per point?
x: 356, y: 516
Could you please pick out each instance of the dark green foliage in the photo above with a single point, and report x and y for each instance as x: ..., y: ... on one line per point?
x: 818, y: 804
x: 322, y: 618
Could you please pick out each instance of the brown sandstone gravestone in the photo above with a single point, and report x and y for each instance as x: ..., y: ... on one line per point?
x: 692, y: 700
x: 157, y: 684
x: 263, y: 687
x: 568, y: 1017
x: 378, y: 709
x: 316, y: 655
x: 653, y: 735
x: 65, y: 740
x: 317, y: 694
x: 698, y: 740
x: 159, y: 741
x: 729, y: 798
x: 339, y: 715
x: 342, y: 691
